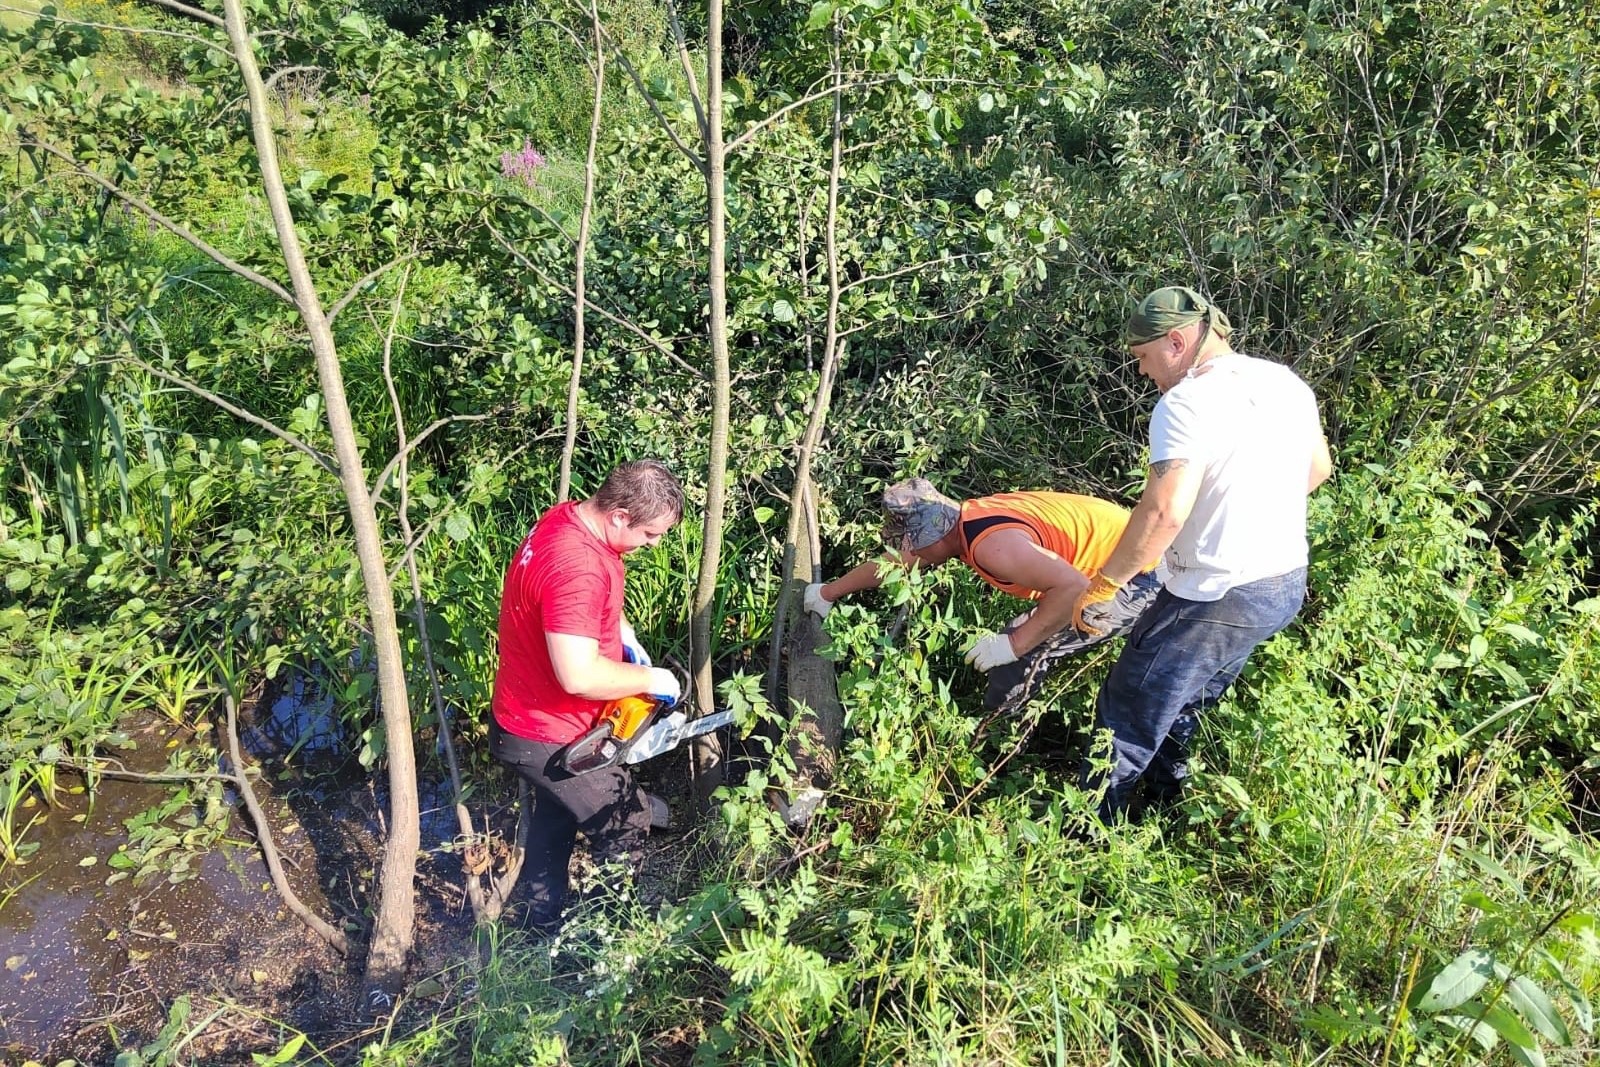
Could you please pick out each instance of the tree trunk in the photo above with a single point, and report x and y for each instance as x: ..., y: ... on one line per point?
x: 813, y: 686
x: 707, y: 753
x: 393, y: 924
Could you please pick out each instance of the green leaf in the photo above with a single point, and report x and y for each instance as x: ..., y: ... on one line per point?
x: 783, y: 311
x: 1502, y: 1022
x: 1456, y: 983
x: 458, y: 526
x: 983, y: 198
x: 1521, y: 634
x: 1478, y: 1030
x: 986, y: 102
x: 1536, y: 1006
x: 1580, y: 924
x: 17, y: 581
x: 764, y: 515
x: 358, y: 25
x: 821, y: 15
x: 1528, y: 1057
x: 1012, y: 209
x: 284, y: 1055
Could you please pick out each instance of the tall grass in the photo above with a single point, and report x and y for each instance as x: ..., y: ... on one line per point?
x: 65, y: 693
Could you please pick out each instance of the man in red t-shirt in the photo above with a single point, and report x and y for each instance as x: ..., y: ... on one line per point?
x: 565, y: 650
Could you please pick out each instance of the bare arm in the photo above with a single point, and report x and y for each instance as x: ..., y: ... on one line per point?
x: 864, y: 576
x: 1321, y: 465
x: 1011, y: 557
x: 584, y: 672
x: 1169, y: 496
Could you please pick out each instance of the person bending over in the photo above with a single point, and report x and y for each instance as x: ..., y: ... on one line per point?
x: 1038, y: 546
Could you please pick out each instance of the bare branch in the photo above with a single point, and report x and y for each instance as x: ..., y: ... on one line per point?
x: 810, y: 98
x: 170, y: 225
x: 581, y: 256
x: 364, y: 281
x: 867, y: 279
x: 631, y: 327
x: 433, y: 523
x: 284, y: 72
x: 408, y: 447
x: 688, y: 71
x: 190, y: 12
x: 322, y: 460
x: 655, y: 108
x: 149, y: 30
x: 937, y: 317
x: 269, y: 852
x: 482, y: 909
x: 572, y: 35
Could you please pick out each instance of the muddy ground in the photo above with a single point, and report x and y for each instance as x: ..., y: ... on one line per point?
x: 91, y: 969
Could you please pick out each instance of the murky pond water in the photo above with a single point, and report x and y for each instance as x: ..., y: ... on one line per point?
x: 77, y: 954
x: 74, y: 949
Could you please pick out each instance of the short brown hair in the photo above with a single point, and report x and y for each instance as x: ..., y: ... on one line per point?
x: 645, y: 488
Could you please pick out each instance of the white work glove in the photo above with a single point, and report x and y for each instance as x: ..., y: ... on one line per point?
x: 991, y: 651
x: 632, y: 650
x: 664, y: 686
x: 1019, y: 620
x: 815, y: 602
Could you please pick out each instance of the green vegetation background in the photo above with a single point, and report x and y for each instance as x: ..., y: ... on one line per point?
x: 1389, y: 857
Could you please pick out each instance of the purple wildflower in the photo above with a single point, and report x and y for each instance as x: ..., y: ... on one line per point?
x: 524, y: 165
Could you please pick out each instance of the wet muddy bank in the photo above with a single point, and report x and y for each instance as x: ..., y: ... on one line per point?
x: 84, y: 960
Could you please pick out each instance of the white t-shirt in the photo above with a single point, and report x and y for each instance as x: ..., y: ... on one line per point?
x: 1253, y: 425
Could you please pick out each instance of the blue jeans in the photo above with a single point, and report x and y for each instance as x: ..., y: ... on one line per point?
x: 1012, y: 685
x: 1180, y: 658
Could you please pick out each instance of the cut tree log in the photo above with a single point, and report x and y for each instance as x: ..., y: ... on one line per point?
x: 812, y: 694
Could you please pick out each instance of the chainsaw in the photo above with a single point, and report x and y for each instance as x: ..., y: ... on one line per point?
x: 629, y: 731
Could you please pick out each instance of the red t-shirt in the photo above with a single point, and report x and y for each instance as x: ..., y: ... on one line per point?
x: 562, y: 580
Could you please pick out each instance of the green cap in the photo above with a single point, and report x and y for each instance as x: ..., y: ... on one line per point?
x: 1172, y: 308
x: 915, y: 509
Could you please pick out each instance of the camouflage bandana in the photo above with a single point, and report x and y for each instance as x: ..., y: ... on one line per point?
x: 1169, y: 309
x: 918, y: 511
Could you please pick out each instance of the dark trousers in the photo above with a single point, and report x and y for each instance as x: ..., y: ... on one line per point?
x: 1012, y: 685
x: 605, y: 805
x: 1180, y: 658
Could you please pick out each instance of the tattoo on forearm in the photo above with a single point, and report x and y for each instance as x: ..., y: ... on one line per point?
x: 1166, y: 466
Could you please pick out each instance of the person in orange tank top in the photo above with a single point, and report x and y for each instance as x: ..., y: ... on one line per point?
x: 1038, y: 546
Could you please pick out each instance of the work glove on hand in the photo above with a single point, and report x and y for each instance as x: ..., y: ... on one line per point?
x: 1101, y: 589
x: 815, y: 602
x: 632, y: 650
x: 664, y: 686
x: 991, y: 651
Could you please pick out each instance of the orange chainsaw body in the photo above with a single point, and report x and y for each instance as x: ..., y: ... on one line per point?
x: 620, y: 721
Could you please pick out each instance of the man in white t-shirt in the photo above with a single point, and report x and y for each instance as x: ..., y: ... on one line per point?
x: 1236, y: 446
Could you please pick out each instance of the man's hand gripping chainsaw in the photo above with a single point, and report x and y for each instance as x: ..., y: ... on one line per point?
x: 632, y: 730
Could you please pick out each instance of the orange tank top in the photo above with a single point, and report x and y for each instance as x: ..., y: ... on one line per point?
x: 1080, y: 529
